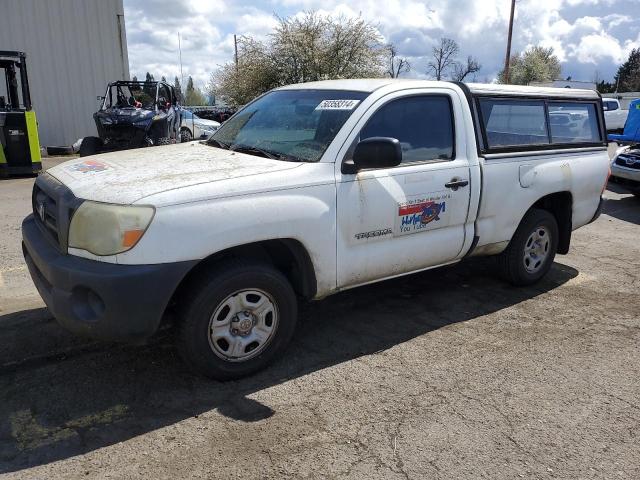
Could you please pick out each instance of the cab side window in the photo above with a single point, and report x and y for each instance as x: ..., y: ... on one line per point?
x: 422, y: 124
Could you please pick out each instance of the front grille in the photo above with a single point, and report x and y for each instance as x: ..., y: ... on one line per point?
x: 628, y: 161
x: 53, y: 206
x: 123, y: 136
x: 45, y: 210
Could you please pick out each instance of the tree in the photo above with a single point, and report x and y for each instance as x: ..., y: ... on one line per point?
x: 397, y: 65
x: 178, y: 88
x: 461, y: 70
x: 301, y: 49
x: 537, y: 64
x: 193, y: 95
x: 134, y: 79
x: 444, y: 62
x: 163, y: 78
x: 628, y: 77
x: 443, y: 58
x: 149, y: 78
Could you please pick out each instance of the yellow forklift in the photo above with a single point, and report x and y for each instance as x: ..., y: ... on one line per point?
x: 19, y: 144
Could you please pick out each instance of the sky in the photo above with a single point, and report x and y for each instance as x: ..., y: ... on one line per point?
x: 590, y: 37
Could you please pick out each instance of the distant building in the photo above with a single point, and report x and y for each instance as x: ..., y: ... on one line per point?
x: 74, y: 48
x: 566, y: 84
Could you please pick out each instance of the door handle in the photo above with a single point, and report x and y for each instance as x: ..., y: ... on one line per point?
x: 454, y: 184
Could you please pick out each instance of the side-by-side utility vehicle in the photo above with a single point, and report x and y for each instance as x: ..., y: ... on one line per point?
x: 309, y: 190
x: 134, y: 114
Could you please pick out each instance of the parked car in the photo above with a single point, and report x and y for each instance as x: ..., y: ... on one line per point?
x: 614, y: 115
x: 133, y: 115
x: 193, y: 126
x: 625, y: 168
x: 309, y: 190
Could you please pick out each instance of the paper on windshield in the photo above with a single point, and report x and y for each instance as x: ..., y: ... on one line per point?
x: 337, y: 104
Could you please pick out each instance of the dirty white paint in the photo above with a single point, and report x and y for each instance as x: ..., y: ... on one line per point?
x: 208, y: 199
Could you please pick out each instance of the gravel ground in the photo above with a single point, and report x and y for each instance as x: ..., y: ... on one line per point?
x: 445, y: 374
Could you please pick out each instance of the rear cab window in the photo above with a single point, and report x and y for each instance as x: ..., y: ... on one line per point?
x: 516, y: 124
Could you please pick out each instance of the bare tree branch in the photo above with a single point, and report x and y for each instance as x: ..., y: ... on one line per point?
x: 397, y: 65
x: 461, y: 70
x: 444, y: 56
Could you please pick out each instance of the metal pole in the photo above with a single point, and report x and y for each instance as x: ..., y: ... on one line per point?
x: 507, y: 59
x: 180, y: 53
x: 235, y: 45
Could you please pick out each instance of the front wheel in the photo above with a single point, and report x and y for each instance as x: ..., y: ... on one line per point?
x: 185, y: 135
x: 236, y: 319
x: 532, y: 249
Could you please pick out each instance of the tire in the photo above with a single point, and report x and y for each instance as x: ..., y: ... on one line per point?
x: 90, y: 146
x: 185, y: 135
x: 532, y: 249
x: 214, y: 337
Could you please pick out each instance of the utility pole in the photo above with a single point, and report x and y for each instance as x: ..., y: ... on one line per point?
x: 180, y: 52
x: 235, y: 46
x: 508, y: 56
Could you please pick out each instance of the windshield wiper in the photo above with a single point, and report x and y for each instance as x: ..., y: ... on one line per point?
x: 217, y: 143
x: 255, y: 151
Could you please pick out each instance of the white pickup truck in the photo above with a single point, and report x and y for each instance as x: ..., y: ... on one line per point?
x: 614, y: 115
x: 309, y: 190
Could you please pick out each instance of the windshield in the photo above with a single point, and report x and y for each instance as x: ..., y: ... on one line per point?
x: 294, y: 125
x: 141, y: 95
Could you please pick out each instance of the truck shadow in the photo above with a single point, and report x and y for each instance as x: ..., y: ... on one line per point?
x: 626, y: 208
x: 58, y: 405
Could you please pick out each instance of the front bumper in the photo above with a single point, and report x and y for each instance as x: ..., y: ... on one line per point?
x: 96, y: 299
x: 631, y: 175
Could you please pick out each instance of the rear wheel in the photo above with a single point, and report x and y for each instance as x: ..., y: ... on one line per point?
x: 90, y: 146
x: 532, y: 249
x: 236, y: 319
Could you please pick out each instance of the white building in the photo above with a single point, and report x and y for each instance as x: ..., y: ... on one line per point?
x: 74, y: 48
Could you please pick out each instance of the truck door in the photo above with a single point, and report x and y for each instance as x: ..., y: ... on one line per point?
x: 406, y: 218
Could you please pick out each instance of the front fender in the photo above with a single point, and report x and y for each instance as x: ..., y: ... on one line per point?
x: 194, y: 231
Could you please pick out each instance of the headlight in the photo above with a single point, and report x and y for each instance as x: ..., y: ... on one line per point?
x: 106, y: 229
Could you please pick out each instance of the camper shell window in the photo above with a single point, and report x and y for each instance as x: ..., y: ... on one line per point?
x: 521, y: 124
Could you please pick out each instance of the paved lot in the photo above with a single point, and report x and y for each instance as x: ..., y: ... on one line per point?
x: 446, y: 374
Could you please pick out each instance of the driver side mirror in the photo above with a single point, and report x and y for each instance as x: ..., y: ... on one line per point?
x: 374, y: 152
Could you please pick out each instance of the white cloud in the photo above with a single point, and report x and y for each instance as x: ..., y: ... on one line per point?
x: 583, y: 33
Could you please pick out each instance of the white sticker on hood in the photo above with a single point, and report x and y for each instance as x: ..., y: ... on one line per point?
x: 87, y: 166
x: 337, y: 104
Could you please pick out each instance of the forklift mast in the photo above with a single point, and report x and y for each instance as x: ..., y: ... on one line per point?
x: 19, y: 143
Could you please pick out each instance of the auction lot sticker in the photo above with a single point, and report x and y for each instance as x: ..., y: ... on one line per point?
x: 337, y: 104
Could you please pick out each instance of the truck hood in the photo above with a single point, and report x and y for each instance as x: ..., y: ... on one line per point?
x: 125, y: 177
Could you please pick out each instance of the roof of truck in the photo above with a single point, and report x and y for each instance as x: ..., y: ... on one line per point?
x: 371, y: 84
